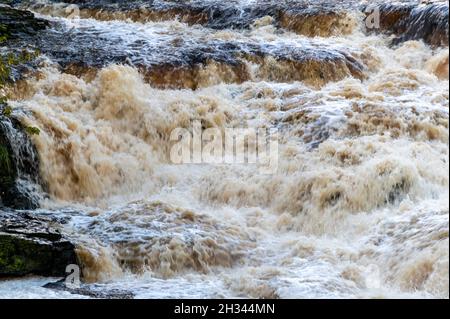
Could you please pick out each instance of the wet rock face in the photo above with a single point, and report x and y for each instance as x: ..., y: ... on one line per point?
x: 176, y: 60
x: 168, y: 59
x: 19, y: 166
x: 213, y: 13
x: 410, y: 21
x: 32, y: 245
x: 429, y: 23
x: 18, y: 23
x: 18, y: 32
x: 8, y: 173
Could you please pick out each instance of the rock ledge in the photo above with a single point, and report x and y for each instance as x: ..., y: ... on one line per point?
x: 32, y: 245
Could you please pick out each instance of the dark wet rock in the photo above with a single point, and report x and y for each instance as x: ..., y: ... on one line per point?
x: 179, y: 60
x: 19, y: 23
x: 7, y: 171
x: 410, y: 21
x: 429, y: 23
x: 18, y: 32
x: 32, y: 245
x: 19, y: 165
x: 93, y: 291
x: 292, y: 14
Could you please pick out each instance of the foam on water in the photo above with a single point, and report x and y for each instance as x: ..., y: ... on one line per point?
x: 357, y: 208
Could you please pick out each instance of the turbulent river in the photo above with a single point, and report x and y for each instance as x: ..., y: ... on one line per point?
x: 358, y: 206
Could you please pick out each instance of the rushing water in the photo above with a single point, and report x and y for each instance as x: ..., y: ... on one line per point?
x: 357, y: 208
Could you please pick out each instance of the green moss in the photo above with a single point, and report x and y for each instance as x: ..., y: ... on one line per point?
x: 20, y: 256
x: 6, y: 255
x: 4, y: 157
x: 3, y: 33
x: 7, y: 111
x: 7, y: 174
x: 5, y: 72
x: 31, y: 130
x: 5, y: 162
x: 9, y: 60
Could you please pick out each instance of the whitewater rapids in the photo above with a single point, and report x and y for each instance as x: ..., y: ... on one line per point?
x: 359, y: 205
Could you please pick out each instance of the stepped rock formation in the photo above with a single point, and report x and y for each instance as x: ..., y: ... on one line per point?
x: 409, y: 19
x: 354, y: 205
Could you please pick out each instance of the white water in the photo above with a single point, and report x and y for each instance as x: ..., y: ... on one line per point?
x: 360, y: 214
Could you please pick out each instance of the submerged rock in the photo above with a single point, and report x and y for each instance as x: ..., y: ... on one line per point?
x: 32, y: 245
x: 162, y: 238
x: 93, y: 291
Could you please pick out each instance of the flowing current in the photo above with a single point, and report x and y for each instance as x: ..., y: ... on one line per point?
x: 357, y: 208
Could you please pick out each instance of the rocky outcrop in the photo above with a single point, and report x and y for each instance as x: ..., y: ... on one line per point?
x: 28, y: 245
x: 176, y: 60
x: 295, y: 15
x: 191, y: 61
x: 18, y: 23
x: 32, y: 245
x: 18, y: 159
x: 18, y: 31
x: 19, y: 165
x: 410, y: 21
x: 428, y: 23
x: 8, y: 173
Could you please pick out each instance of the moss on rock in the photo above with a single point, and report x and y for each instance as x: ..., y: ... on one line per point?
x: 8, y: 173
x: 18, y: 23
x: 19, y: 163
x: 29, y: 245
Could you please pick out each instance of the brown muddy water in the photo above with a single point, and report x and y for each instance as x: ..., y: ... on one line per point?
x: 358, y: 206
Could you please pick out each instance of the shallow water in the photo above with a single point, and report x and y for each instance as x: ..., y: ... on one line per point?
x: 358, y: 207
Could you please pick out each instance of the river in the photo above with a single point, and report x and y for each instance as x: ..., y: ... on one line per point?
x: 357, y: 207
